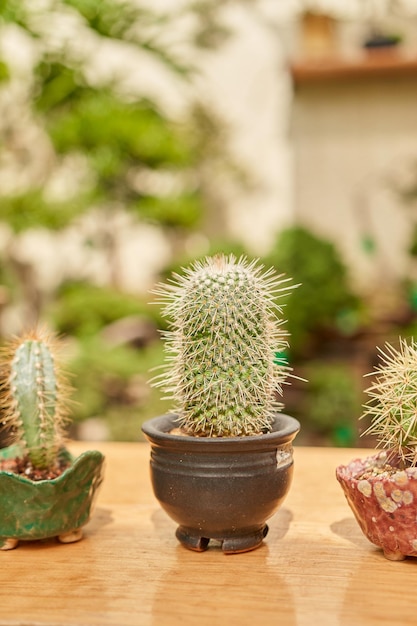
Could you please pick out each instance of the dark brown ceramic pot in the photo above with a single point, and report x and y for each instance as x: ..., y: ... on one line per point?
x: 221, y: 488
x: 384, y: 503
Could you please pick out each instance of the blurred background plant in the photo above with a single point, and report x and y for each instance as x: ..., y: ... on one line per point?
x: 325, y: 304
x: 116, y: 169
x: 88, y: 154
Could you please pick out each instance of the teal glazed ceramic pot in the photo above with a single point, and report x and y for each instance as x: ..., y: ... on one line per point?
x: 57, y: 507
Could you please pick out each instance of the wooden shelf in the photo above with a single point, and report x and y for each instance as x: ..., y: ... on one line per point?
x: 376, y: 63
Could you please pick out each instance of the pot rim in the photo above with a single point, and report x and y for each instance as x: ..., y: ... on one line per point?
x: 350, y: 471
x: 156, y: 431
x: 74, y: 463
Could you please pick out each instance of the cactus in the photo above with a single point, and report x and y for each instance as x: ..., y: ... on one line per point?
x: 392, y: 404
x: 34, y: 398
x: 222, y: 370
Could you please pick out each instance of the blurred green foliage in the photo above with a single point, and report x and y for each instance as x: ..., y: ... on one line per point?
x: 110, y: 378
x: 332, y: 402
x: 97, y: 121
x: 115, y: 137
x: 30, y: 209
x: 82, y: 310
x: 182, y: 211
x: 4, y: 72
x: 324, y: 302
x: 112, y: 383
x: 109, y: 18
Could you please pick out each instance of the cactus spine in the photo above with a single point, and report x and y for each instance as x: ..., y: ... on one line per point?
x: 34, y: 398
x: 221, y: 347
x: 392, y: 404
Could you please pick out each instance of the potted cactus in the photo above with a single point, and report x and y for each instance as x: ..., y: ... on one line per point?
x: 222, y: 461
x: 44, y: 491
x: 382, y: 489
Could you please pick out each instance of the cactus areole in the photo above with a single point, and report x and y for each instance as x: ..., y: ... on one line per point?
x: 221, y: 463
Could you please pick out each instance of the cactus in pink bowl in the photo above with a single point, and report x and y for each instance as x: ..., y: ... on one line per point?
x: 382, y: 489
x: 392, y: 404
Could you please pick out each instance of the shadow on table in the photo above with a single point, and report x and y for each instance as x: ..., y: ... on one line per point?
x: 100, y: 517
x: 348, y: 528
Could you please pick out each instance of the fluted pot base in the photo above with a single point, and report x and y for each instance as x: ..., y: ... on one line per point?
x: 232, y: 544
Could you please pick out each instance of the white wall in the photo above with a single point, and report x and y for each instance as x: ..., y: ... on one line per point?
x: 247, y: 82
x: 352, y: 139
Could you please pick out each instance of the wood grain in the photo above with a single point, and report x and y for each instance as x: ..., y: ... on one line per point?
x: 315, y: 567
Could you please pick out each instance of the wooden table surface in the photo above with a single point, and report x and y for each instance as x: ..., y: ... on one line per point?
x: 315, y: 568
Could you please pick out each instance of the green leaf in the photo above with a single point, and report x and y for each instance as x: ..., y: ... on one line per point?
x: 4, y: 72
x: 182, y: 211
x: 30, y: 209
x: 83, y: 310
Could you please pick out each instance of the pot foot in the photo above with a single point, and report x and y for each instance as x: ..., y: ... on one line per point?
x: 245, y: 543
x: 71, y: 537
x: 8, y: 544
x: 190, y: 540
x: 230, y: 545
x: 394, y: 556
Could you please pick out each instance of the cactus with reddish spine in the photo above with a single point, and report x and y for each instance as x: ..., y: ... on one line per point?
x: 221, y: 349
x: 392, y: 404
x: 35, y: 398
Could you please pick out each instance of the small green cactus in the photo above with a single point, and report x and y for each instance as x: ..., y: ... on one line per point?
x: 223, y: 372
x: 34, y: 398
x: 392, y: 404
